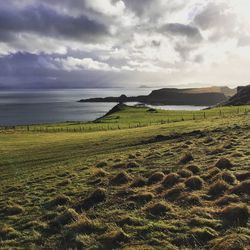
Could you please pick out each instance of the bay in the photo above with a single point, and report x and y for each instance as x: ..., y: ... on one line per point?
x: 50, y: 106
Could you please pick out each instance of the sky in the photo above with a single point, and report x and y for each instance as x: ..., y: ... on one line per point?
x: 124, y: 43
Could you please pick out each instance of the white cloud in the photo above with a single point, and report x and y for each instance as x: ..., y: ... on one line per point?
x: 71, y: 63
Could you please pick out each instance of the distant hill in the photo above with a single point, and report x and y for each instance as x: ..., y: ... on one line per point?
x: 242, y: 97
x: 173, y: 96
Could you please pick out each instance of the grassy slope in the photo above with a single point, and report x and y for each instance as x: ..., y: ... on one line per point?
x: 38, y: 168
x: 131, y: 117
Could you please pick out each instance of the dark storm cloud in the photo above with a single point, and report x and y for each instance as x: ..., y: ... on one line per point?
x: 178, y: 29
x: 48, y: 22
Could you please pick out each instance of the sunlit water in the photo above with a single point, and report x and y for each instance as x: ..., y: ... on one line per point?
x: 48, y: 106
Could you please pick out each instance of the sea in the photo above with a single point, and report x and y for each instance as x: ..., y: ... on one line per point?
x: 25, y: 107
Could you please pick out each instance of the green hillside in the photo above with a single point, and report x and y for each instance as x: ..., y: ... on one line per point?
x: 135, y: 179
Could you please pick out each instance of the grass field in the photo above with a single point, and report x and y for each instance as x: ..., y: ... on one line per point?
x: 132, y: 117
x: 153, y: 180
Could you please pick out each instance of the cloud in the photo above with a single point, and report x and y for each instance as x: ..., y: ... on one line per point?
x: 114, y: 42
x: 48, y: 22
x: 71, y: 63
x: 178, y: 29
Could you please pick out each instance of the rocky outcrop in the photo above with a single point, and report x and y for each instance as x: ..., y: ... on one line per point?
x: 241, y: 98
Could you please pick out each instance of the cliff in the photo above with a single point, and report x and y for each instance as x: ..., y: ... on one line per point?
x: 242, y: 97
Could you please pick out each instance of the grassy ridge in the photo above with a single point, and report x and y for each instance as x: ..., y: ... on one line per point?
x: 48, y: 179
x: 132, y: 117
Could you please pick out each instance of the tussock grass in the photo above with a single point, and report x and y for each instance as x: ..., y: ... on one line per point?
x: 194, y: 169
x: 13, y: 209
x: 218, y: 188
x: 223, y: 163
x: 194, y: 183
x: 232, y: 241
x: 95, y: 214
x: 185, y: 173
x: 114, y: 238
x: 170, y: 180
x: 98, y: 196
x: 121, y: 178
x: 142, y: 197
x: 155, y: 177
x: 241, y: 188
x: 138, y: 182
x: 235, y: 215
x: 187, y: 157
x: 158, y: 208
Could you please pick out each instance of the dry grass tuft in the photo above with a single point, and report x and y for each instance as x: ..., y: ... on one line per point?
x: 155, y: 178
x: 158, y: 209
x: 242, y: 176
x: 223, y: 163
x: 98, y: 196
x: 190, y: 200
x: 128, y: 220
x: 13, y: 209
x: 143, y: 197
x: 227, y: 199
x: 138, y: 182
x: 84, y: 225
x: 185, y: 173
x: 170, y: 180
x: 174, y: 193
x: 218, y: 188
x: 133, y: 165
x: 242, y: 188
x: 59, y: 200
x: 212, y: 173
x: 114, y: 238
x: 7, y: 232
x: 235, y: 215
x: 99, y: 173
x: 231, y: 242
x: 202, y: 235
x: 121, y: 178
x: 194, y: 169
x: 187, y: 157
x: 228, y: 177
x: 194, y: 183
x: 66, y: 217
x: 101, y: 164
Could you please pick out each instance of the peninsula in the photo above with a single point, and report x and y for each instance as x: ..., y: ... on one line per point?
x: 173, y: 96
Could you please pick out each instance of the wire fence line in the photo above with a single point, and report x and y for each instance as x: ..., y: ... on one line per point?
x: 106, y: 126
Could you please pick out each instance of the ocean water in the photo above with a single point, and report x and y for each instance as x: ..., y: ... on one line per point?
x: 48, y: 106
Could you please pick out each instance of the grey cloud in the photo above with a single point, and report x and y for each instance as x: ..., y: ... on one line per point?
x: 244, y: 41
x: 48, y: 22
x: 178, y: 29
x: 218, y: 19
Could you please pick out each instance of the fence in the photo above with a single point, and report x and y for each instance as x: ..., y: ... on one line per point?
x: 106, y: 126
